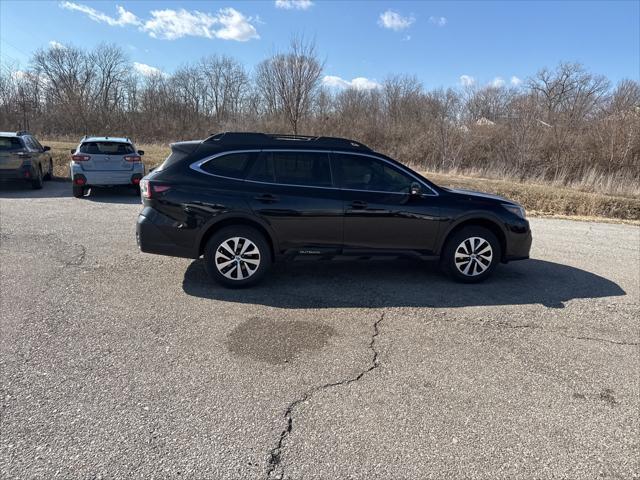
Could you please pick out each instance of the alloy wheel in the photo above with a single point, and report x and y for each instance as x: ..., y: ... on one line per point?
x: 237, y: 258
x: 473, y: 256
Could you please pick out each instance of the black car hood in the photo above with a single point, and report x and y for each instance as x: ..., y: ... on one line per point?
x: 475, y: 194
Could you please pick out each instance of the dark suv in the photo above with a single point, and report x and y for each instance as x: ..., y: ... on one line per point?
x: 23, y: 158
x: 244, y: 200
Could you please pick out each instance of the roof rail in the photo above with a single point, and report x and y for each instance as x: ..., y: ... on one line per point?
x: 282, y: 140
x: 22, y: 132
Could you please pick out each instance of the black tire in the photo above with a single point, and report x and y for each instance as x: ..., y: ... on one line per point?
x: 78, y: 191
x: 216, y: 247
x: 478, y: 259
x: 36, y: 181
x: 49, y: 174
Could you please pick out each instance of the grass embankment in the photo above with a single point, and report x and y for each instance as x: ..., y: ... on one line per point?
x: 538, y: 199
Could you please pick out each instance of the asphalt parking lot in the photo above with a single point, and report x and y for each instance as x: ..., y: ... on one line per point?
x: 119, y: 364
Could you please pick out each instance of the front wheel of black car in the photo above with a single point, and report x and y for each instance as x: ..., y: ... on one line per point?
x: 471, y: 254
x: 237, y: 256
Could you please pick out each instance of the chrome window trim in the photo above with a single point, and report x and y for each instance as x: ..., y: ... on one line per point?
x: 197, y: 166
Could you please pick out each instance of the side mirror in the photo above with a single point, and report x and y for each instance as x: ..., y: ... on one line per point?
x: 46, y: 149
x: 141, y: 152
x: 415, y: 189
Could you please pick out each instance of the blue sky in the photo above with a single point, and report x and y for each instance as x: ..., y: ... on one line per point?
x: 439, y: 42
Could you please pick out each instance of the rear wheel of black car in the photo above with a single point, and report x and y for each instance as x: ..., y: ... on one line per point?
x: 237, y: 256
x: 471, y: 254
x: 36, y: 182
x: 78, y: 191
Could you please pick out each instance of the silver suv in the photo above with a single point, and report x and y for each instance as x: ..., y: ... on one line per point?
x: 105, y: 161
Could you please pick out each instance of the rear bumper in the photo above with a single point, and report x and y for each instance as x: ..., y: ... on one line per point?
x: 154, y: 232
x: 108, y: 177
x: 519, y: 239
x: 20, y: 173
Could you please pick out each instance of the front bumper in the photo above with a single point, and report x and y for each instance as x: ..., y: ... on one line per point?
x: 519, y: 240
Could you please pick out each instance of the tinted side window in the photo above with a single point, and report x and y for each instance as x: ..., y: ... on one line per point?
x: 232, y: 165
x: 31, y: 145
x: 365, y: 173
x: 36, y: 143
x: 302, y: 168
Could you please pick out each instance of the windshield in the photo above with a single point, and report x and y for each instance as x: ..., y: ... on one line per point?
x: 10, y: 143
x: 106, y: 148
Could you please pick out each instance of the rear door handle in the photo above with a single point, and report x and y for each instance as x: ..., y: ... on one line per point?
x: 358, y: 205
x: 266, y: 198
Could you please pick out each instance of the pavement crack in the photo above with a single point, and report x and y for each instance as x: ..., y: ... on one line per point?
x: 596, y: 339
x: 274, y: 463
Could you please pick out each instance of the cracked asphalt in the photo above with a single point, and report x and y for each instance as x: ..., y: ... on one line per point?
x: 118, y: 364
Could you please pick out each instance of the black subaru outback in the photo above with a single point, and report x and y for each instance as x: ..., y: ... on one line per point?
x: 244, y: 200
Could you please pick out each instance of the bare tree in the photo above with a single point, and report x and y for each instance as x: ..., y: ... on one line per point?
x: 288, y: 82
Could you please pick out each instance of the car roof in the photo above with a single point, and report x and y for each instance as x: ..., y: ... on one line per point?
x: 13, y: 134
x: 106, y: 139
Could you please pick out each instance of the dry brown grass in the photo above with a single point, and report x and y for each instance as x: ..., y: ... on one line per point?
x: 539, y: 199
x: 549, y: 200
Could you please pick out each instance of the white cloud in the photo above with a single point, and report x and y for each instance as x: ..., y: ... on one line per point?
x: 172, y: 24
x: 467, y: 80
x: 497, y: 82
x: 54, y: 44
x: 439, y: 21
x: 294, y: 4
x: 358, y: 83
x: 124, y: 17
x: 146, y: 70
x: 235, y: 26
x: 395, y: 21
x: 227, y: 24
x: 515, y: 81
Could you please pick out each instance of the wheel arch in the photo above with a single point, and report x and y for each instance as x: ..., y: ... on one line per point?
x: 490, y: 223
x: 235, y: 220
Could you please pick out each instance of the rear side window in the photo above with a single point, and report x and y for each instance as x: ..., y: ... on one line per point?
x: 293, y: 168
x: 106, y: 148
x: 232, y: 165
x: 10, y: 143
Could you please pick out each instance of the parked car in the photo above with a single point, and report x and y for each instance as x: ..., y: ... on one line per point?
x: 244, y: 200
x: 23, y: 158
x: 105, y: 161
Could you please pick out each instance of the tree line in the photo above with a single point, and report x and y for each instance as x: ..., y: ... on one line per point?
x: 564, y: 124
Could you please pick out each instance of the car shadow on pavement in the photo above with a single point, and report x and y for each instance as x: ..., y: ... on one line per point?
x: 56, y: 188
x: 404, y: 283
x: 61, y: 188
x: 112, y: 195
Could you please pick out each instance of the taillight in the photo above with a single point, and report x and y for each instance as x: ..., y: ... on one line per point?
x: 132, y: 158
x: 151, y: 190
x: 80, y: 158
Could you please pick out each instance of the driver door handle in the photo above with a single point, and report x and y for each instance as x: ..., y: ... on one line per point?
x: 266, y: 198
x: 358, y: 205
